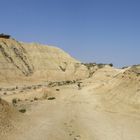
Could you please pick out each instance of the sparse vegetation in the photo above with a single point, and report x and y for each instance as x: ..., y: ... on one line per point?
x: 35, y: 98
x: 14, y: 101
x: 68, y: 82
x: 23, y: 110
x: 5, y: 93
x: 51, y: 98
x: 34, y: 87
x: 18, y: 100
x: 61, y: 83
x: 125, y: 67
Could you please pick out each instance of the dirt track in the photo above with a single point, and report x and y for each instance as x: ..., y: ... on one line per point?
x: 76, y: 115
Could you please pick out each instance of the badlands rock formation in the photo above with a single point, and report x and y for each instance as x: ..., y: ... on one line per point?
x: 36, y: 63
x: 22, y: 63
x: 42, y: 81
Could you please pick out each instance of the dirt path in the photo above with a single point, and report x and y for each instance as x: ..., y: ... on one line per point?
x: 77, y: 115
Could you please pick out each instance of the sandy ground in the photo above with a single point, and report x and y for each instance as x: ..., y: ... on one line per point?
x: 75, y: 115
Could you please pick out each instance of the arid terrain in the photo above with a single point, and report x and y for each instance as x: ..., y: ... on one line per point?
x: 45, y: 94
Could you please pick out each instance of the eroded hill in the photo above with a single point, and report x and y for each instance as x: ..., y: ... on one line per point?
x: 36, y: 63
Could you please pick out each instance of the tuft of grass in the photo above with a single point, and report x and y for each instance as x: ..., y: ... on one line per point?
x: 35, y: 98
x: 18, y: 100
x: 14, y: 101
x: 5, y: 93
x: 23, y: 110
x: 51, y: 98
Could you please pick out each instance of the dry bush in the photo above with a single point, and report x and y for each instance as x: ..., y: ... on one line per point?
x: 14, y: 101
x: 51, y: 98
x: 35, y: 98
x: 23, y: 110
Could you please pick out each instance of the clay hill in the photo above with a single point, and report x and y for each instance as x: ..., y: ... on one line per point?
x: 119, y: 88
x: 35, y: 62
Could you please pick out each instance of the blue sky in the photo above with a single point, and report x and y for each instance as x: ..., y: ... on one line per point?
x: 102, y: 31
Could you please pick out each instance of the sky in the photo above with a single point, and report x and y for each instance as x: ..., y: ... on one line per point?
x: 101, y: 31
